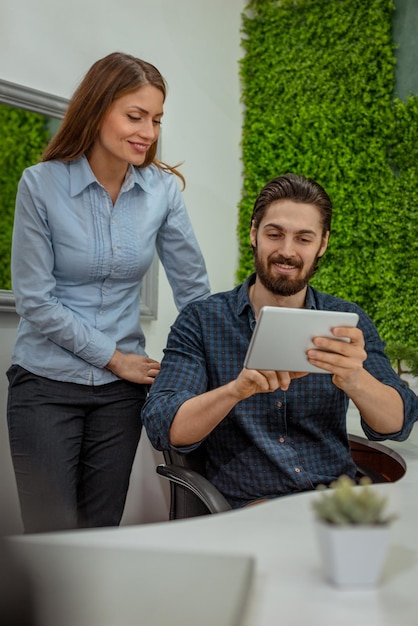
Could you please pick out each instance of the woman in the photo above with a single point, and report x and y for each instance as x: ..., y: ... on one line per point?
x: 88, y: 219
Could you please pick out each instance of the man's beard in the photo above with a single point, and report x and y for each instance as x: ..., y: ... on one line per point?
x: 283, y: 285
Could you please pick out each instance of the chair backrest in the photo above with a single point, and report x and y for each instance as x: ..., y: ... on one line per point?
x: 194, y: 460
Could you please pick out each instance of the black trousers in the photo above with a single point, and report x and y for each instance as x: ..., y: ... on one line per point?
x: 72, y: 448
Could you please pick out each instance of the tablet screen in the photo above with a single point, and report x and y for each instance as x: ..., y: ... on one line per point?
x: 283, y: 335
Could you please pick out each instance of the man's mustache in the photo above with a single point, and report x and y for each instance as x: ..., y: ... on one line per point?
x: 285, y: 261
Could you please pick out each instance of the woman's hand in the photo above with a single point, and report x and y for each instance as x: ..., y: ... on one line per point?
x: 134, y: 367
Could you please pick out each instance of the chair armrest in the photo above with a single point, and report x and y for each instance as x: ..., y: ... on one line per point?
x: 197, y: 484
x: 375, y: 460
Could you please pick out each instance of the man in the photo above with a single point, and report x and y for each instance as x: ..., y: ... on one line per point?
x: 269, y: 433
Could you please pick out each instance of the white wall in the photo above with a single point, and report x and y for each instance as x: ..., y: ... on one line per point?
x: 49, y: 45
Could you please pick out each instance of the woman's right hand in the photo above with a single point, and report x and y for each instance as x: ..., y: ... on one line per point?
x: 134, y: 367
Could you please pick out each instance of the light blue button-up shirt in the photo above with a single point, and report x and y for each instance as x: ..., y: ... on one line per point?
x: 78, y: 262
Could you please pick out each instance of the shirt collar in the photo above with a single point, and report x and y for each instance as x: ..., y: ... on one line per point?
x: 244, y: 299
x: 81, y: 176
x: 140, y: 176
x: 310, y: 302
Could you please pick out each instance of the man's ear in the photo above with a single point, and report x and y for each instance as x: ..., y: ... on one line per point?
x: 253, y: 235
x: 324, y: 245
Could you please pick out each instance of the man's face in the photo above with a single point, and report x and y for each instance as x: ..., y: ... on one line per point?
x: 288, y: 243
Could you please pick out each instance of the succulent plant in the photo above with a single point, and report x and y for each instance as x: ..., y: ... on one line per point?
x: 343, y: 504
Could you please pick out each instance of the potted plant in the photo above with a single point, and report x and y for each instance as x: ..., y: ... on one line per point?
x: 353, y: 532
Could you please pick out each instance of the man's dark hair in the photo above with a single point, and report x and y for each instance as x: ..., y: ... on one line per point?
x: 298, y: 189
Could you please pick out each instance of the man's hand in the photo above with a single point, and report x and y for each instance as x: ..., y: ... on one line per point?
x: 250, y: 382
x: 380, y: 405
x: 134, y: 367
x: 341, y: 358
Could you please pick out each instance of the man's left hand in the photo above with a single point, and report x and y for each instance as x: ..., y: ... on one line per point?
x: 343, y: 359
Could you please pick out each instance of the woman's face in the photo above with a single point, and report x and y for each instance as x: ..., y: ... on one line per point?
x: 130, y: 127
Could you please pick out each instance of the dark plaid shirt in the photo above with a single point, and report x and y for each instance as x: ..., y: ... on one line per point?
x: 270, y: 444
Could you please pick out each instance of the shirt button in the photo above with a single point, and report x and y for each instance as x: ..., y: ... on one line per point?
x: 280, y: 404
x: 281, y: 439
x: 297, y: 470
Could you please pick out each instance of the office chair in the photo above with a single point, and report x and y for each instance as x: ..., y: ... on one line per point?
x: 191, y: 494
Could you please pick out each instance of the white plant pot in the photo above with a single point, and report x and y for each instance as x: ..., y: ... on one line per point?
x: 353, y: 556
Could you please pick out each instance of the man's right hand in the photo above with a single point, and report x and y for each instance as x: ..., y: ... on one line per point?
x: 250, y: 382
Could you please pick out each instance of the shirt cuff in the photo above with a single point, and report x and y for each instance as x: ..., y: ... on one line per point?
x: 99, y: 350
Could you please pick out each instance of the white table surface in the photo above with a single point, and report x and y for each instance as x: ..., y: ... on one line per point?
x: 289, y: 587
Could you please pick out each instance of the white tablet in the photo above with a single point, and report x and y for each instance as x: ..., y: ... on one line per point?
x: 282, y: 337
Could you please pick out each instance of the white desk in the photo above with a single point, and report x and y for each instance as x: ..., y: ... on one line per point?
x: 288, y: 587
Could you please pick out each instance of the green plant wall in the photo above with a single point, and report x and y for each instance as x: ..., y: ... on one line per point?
x: 318, y: 83
x: 23, y: 137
